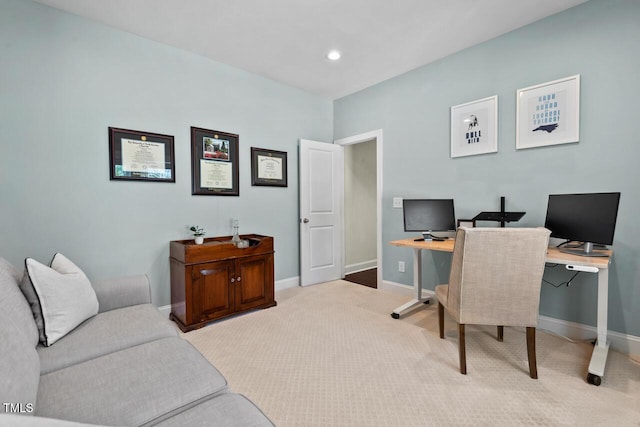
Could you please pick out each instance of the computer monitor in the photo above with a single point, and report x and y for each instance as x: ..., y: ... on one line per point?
x: 429, y: 215
x: 588, y: 218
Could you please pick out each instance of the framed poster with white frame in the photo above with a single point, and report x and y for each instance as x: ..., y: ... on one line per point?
x: 474, y: 127
x: 548, y: 113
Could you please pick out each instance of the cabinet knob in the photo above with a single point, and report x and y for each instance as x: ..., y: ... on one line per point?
x: 239, y: 278
x: 233, y: 279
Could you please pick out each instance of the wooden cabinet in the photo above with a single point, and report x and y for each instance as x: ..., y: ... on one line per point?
x: 217, y: 279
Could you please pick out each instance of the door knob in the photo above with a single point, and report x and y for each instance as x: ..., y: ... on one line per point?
x: 306, y: 220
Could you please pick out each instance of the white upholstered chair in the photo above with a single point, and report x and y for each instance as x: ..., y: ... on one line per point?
x: 495, y: 279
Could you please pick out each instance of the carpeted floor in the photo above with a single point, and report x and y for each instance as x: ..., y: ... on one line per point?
x: 330, y: 355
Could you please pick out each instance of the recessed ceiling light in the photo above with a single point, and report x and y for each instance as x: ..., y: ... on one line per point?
x: 334, y: 55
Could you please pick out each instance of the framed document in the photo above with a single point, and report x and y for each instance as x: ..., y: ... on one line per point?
x: 268, y: 167
x: 214, y: 163
x: 141, y: 156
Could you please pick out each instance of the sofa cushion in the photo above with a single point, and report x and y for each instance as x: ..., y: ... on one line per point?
x: 61, y: 296
x: 132, y: 386
x: 7, y: 420
x: 19, y: 367
x: 225, y: 410
x: 14, y: 304
x: 106, y: 333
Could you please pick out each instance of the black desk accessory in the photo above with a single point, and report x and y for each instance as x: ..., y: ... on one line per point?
x: 502, y: 217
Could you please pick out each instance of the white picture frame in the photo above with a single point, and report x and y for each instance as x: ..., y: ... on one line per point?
x: 474, y: 127
x: 548, y: 113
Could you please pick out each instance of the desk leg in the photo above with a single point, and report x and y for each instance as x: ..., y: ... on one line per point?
x: 417, y: 287
x: 601, y: 348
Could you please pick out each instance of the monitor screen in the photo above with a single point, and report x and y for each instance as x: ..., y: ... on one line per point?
x: 588, y: 218
x: 426, y: 215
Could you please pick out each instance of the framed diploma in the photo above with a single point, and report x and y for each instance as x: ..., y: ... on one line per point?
x: 141, y: 156
x: 268, y: 167
x: 214, y: 163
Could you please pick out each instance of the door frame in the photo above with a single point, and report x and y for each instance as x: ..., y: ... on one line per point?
x: 375, y: 135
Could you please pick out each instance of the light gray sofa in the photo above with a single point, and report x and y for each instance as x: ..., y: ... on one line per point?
x: 125, y: 366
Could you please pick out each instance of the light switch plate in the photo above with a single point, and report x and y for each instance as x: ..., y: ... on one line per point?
x: 397, y: 202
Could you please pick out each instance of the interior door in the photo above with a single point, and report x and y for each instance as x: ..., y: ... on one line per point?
x: 321, y: 188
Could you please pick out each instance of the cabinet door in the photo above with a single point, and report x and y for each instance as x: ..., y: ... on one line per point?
x: 254, y: 281
x: 212, y: 285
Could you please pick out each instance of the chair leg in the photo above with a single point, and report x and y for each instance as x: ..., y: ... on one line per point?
x: 461, y: 350
x: 500, y: 333
x: 531, y: 352
x: 441, y: 319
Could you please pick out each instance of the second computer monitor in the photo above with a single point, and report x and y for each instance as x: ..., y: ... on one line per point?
x: 428, y: 215
x: 589, y: 218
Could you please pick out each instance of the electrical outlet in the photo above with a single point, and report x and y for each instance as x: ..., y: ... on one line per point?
x: 397, y: 202
x: 401, y: 266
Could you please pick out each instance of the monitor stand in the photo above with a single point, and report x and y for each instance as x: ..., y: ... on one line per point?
x: 502, y: 217
x: 586, y: 250
x: 428, y: 236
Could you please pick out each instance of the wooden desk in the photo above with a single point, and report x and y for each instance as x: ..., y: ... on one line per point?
x: 599, y: 265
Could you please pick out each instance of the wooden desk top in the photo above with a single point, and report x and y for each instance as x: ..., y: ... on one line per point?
x: 553, y: 254
x: 432, y: 245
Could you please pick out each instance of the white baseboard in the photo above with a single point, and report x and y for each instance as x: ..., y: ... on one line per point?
x: 399, y: 288
x: 291, y: 282
x: 624, y: 343
x: 165, y: 310
x: 360, y: 266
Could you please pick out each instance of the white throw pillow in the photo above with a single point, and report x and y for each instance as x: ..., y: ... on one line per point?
x: 61, y: 297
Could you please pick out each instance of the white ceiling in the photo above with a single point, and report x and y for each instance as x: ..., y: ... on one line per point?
x: 287, y: 40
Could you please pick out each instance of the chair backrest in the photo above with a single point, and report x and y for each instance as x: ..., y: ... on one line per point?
x: 496, y: 275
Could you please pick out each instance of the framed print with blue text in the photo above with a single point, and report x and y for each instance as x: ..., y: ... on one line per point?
x: 548, y: 113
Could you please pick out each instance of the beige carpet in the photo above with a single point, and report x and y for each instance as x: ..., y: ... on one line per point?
x: 330, y: 355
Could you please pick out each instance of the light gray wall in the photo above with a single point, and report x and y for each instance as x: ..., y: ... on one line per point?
x: 64, y: 80
x: 598, y: 40
x: 360, y: 202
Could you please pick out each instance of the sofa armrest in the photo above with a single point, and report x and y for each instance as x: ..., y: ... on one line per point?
x: 122, y: 292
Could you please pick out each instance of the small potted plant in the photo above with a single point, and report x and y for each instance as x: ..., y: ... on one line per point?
x: 198, y: 233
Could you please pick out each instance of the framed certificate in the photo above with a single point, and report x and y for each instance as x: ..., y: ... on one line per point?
x: 140, y: 156
x: 268, y: 167
x: 214, y: 163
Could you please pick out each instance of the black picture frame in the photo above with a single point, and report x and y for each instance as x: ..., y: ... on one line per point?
x: 214, y: 163
x: 141, y: 156
x: 268, y: 167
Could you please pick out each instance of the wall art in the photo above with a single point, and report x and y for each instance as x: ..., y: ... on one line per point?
x: 141, y: 156
x: 268, y: 167
x: 214, y: 163
x: 474, y: 127
x: 548, y: 113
